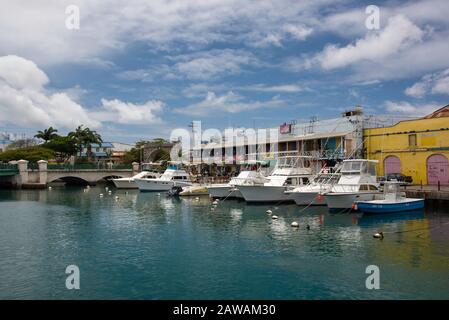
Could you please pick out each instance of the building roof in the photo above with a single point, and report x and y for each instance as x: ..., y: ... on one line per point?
x: 439, y: 113
x: 103, y: 145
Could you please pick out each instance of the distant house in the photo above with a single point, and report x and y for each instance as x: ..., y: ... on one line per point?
x: 108, y: 151
x: 100, y: 152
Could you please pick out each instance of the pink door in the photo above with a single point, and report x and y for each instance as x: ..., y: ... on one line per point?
x: 392, y: 164
x: 437, y: 169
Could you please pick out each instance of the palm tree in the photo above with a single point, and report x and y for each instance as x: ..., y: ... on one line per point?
x: 84, y: 137
x: 47, y: 134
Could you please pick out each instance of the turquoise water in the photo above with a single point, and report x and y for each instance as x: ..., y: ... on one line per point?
x: 145, y: 246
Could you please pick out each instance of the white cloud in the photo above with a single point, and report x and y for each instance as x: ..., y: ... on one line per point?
x: 406, y: 108
x: 129, y: 113
x: 282, y: 88
x: 37, y: 30
x: 398, y: 35
x: 203, y: 65
x: 418, y: 90
x: 230, y: 103
x: 25, y: 102
x: 434, y: 83
x: 206, y: 65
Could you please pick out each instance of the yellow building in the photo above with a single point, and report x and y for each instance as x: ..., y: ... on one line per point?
x: 418, y: 148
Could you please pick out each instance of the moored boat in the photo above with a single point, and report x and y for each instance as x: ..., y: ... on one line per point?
x: 230, y: 190
x: 129, y: 183
x: 393, y: 201
x: 289, y: 171
x: 358, y: 182
x: 171, y: 177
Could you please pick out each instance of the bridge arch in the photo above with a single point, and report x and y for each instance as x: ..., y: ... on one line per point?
x: 71, y: 180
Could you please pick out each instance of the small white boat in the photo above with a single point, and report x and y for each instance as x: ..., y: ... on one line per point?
x: 194, y: 190
x: 358, y: 182
x: 129, y: 183
x: 289, y: 171
x: 230, y: 190
x: 312, y: 193
x: 393, y: 201
x: 171, y: 177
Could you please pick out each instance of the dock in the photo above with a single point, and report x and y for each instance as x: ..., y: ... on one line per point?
x: 428, y: 192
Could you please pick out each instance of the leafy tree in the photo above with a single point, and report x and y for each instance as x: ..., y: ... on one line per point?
x: 85, y: 137
x: 63, y: 146
x: 32, y: 154
x: 47, y: 134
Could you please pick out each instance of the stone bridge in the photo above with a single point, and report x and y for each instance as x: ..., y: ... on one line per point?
x: 41, y: 176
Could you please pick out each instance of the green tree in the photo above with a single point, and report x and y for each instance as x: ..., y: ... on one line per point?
x: 47, y: 134
x: 32, y: 154
x: 84, y: 137
x: 63, y: 146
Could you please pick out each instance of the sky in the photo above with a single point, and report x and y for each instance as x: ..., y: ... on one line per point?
x: 138, y: 69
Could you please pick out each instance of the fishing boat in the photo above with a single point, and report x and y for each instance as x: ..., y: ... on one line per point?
x: 393, y: 200
x: 230, y: 190
x: 289, y: 171
x: 358, y: 182
x: 312, y: 193
x: 173, y: 176
x: 129, y: 183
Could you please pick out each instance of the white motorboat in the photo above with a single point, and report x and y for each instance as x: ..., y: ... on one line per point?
x: 289, y: 171
x: 230, y: 190
x: 170, y: 178
x: 358, y: 182
x: 129, y: 183
x: 312, y: 193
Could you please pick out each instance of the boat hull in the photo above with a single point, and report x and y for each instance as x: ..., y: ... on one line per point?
x: 224, y: 192
x: 158, y: 185
x: 346, y: 200
x: 124, y: 184
x: 378, y: 207
x: 307, y: 198
x: 264, y: 194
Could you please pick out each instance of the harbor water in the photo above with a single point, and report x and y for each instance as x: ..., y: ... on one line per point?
x: 148, y: 246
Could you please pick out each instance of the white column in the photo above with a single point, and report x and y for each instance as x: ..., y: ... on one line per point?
x: 23, y: 170
x: 42, y: 171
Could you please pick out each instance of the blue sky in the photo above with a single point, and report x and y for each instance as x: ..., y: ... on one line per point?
x: 138, y: 69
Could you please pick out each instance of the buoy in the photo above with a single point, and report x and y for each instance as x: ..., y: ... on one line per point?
x: 295, y: 224
x: 49, y: 188
x: 215, y: 202
x: 269, y: 211
x: 88, y: 187
x: 354, y: 207
x: 378, y: 235
x: 274, y: 217
x: 101, y: 195
x: 158, y: 194
x: 116, y: 198
x: 106, y: 188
